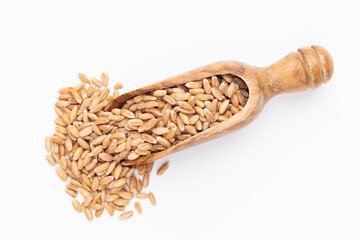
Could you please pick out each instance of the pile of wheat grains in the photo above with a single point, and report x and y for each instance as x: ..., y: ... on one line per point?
x: 90, y: 143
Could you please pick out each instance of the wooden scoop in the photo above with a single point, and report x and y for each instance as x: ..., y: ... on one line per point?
x: 307, y: 68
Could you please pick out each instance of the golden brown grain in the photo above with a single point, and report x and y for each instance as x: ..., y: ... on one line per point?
x: 77, y: 206
x: 104, y: 79
x: 95, y: 183
x: 85, y: 192
x: 95, y: 206
x: 96, y: 82
x: 152, y: 198
x: 86, y: 131
x: 103, y: 195
x: 86, y: 201
x: 71, y: 192
x: 72, y: 187
x: 96, y: 150
x: 132, y: 184
x: 141, y: 195
x: 90, y: 143
x: 121, y: 202
x: 106, y: 180
x: 88, y: 213
x: 159, y: 93
x: 119, y: 208
x: 109, y: 208
x: 138, y: 185
x: 126, y: 215
x: 112, y: 198
x: 118, y: 85
x: 50, y: 160
x: 62, y: 175
x: 76, y: 96
x: 162, y: 168
x: 145, y: 181
x: 65, y: 90
x: 62, y: 104
x: 99, y: 212
x: 75, y: 183
x: 120, y: 182
x: 84, y: 79
x: 126, y: 195
x: 138, y: 207
x: 48, y: 144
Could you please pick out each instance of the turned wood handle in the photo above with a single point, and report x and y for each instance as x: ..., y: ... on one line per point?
x: 309, y: 67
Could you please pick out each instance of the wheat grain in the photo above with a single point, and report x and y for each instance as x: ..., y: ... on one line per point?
x: 71, y: 192
x: 86, y: 201
x: 120, y: 182
x: 65, y: 90
x: 77, y: 206
x: 104, y: 79
x: 83, y: 78
x: 126, y: 215
x: 76, y: 96
x: 121, y: 202
x: 90, y: 143
x: 106, y: 180
x: 112, y: 198
x: 118, y: 85
x: 141, y: 195
x: 96, y: 82
x: 48, y: 144
x: 75, y: 183
x: 138, y: 185
x: 62, y: 104
x: 119, y: 208
x: 50, y: 160
x: 99, y: 212
x: 138, y: 207
x: 126, y: 195
x: 152, y: 198
x: 62, y: 175
x: 95, y: 206
x: 162, y: 168
x: 109, y: 208
x: 88, y: 213
x: 159, y: 93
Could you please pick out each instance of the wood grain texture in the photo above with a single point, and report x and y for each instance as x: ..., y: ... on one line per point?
x: 307, y: 68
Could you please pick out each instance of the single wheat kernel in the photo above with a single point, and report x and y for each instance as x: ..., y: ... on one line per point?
x: 141, y: 195
x: 86, y: 201
x: 121, y: 202
x: 104, y: 79
x: 126, y: 195
x: 77, y: 206
x: 50, y: 160
x: 96, y: 82
x: 71, y: 192
x: 145, y: 181
x: 84, y: 79
x: 88, y: 213
x: 99, y: 212
x: 109, y: 208
x: 48, y: 144
x: 138, y: 207
x: 62, y: 175
x: 162, y: 168
x: 126, y: 215
x: 152, y: 198
x: 118, y: 86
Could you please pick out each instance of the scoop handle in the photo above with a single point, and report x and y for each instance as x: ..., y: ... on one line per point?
x: 309, y: 67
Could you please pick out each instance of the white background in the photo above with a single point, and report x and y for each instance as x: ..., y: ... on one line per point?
x: 292, y: 174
